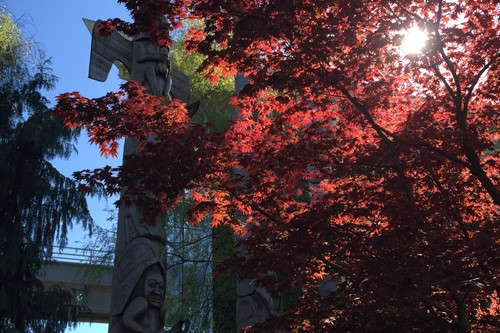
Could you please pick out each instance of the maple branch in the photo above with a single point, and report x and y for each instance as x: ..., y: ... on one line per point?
x: 478, y: 171
x: 462, y: 314
x: 427, y: 145
x: 369, y: 166
x: 189, y: 243
x: 433, y: 307
x: 475, y: 162
x: 252, y: 204
x: 477, y: 78
x: 340, y: 269
x: 448, y: 87
x: 439, y: 13
x: 183, y: 260
x: 221, y: 182
x: 406, y: 11
x: 395, y: 159
x: 454, y: 210
x: 457, y: 96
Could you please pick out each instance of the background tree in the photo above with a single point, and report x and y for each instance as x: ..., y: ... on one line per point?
x: 189, y: 270
x: 37, y: 203
x: 348, y: 159
x: 213, y: 96
x: 215, y: 300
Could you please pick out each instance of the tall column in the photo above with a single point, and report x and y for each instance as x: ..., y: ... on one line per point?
x: 139, y: 277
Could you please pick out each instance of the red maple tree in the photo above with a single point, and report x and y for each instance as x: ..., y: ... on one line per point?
x: 347, y: 159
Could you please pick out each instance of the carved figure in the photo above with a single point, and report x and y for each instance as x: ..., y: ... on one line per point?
x: 132, y: 264
x: 143, y: 313
x: 151, y: 66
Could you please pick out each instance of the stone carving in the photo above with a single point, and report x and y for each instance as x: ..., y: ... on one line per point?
x: 139, y: 277
x: 254, y: 305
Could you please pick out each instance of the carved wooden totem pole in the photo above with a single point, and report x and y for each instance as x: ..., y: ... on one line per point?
x: 139, y: 278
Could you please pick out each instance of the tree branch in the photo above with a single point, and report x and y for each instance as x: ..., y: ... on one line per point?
x: 395, y: 159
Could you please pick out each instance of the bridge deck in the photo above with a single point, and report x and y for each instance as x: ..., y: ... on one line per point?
x: 90, y: 284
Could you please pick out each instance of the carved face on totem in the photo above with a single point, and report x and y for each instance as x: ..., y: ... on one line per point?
x: 154, y: 288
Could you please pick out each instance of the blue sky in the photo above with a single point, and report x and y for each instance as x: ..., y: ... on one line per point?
x: 57, y: 26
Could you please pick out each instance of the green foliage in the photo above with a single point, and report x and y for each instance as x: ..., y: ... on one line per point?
x: 194, y: 251
x: 193, y: 291
x: 189, y: 270
x: 11, y: 40
x: 224, y: 285
x: 213, y: 97
x: 37, y: 204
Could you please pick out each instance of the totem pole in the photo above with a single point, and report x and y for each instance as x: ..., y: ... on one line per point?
x: 139, y: 277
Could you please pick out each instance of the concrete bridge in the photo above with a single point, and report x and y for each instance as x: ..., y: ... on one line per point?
x: 90, y: 284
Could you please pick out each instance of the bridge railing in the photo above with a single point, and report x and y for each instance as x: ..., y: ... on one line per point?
x: 81, y: 272
x: 82, y: 255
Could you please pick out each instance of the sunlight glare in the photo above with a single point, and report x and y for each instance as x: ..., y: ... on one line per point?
x: 413, y: 41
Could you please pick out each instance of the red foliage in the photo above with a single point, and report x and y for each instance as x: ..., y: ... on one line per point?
x: 157, y: 18
x: 347, y: 157
x: 169, y: 149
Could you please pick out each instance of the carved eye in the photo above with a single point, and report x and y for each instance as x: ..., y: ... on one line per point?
x: 152, y: 283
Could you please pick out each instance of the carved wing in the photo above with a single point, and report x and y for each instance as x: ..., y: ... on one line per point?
x: 180, y: 86
x: 116, y: 48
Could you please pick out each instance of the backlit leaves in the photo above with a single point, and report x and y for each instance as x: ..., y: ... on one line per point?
x: 346, y: 158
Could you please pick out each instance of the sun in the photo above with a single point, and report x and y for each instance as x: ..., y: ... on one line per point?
x: 414, y: 41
